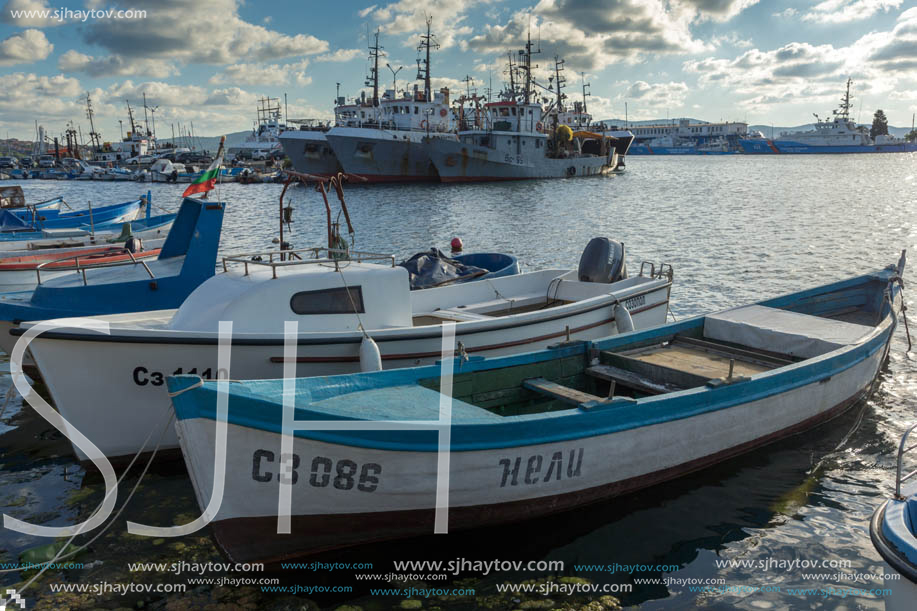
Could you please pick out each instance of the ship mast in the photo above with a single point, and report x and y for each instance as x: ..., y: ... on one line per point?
x: 146, y: 119
x: 373, y: 79
x: 585, y: 93
x: 512, y: 78
x: 95, y: 139
x: 559, y: 81
x: 844, y: 109
x: 526, y: 67
x: 130, y: 116
x: 427, y: 42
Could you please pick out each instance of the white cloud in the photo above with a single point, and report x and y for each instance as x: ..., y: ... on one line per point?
x: 34, y: 21
x: 25, y: 97
x: 264, y: 74
x: 24, y: 47
x: 114, y: 65
x: 718, y: 10
x: 592, y: 35
x: 842, y: 11
x: 407, y: 18
x: 656, y: 95
x: 173, y: 30
x: 340, y: 55
x: 812, y: 76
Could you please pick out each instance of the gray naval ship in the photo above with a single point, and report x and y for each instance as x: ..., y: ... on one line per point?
x: 520, y: 140
x: 308, y: 149
x: 385, y: 143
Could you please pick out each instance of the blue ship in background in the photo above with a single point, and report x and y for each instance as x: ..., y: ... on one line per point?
x: 840, y: 134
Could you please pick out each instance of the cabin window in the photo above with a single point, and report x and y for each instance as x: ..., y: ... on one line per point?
x: 538, y: 144
x: 514, y: 111
x: 416, y: 109
x: 504, y: 112
x: 328, y: 301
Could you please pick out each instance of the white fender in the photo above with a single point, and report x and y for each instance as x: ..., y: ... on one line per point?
x: 370, y: 358
x: 623, y: 320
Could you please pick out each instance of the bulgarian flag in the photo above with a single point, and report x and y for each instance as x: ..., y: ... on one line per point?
x: 208, y: 179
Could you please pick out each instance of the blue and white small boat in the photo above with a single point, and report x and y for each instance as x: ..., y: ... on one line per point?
x: 186, y: 260
x: 893, y: 530
x: 531, y: 434
x: 18, y: 221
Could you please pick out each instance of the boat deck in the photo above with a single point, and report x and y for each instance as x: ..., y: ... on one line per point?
x: 700, y: 361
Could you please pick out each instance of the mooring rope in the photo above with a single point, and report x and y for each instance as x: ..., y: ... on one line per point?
x: 60, y: 554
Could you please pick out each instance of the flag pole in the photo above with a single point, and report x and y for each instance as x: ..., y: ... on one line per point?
x: 220, y: 166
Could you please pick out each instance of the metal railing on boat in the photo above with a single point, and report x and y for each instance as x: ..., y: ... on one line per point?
x: 902, y: 450
x: 82, y: 270
x: 665, y: 270
x: 287, y: 258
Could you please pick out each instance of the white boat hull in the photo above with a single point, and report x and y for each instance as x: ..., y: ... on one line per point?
x: 392, y: 493
x: 114, y: 392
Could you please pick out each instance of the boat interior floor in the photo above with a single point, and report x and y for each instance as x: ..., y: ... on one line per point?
x: 728, y: 350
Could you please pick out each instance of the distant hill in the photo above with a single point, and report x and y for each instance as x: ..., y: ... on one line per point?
x: 210, y: 143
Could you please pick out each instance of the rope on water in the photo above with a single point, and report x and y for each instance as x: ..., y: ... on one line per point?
x: 9, y: 395
x: 60, y: 554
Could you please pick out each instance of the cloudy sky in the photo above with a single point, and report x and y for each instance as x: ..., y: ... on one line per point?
x: 207, y: 61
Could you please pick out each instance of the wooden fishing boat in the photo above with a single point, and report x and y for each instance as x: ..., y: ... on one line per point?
x: 893, y: 530
x: 115, y: 398
x: 530, y: 434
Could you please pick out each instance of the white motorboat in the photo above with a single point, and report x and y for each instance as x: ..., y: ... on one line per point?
x: 111, y: 386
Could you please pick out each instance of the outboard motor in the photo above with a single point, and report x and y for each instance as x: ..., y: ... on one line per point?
x: 602, y: 261
x: 133, y: 245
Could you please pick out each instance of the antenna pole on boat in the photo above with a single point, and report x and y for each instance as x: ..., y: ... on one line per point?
x: 94, y: 136
x: 146, y: 119
x: 373, y: 78
x: 427, y: 42
x: 585, y: 93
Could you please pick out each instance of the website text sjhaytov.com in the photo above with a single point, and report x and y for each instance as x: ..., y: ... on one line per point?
x: 416, y: 579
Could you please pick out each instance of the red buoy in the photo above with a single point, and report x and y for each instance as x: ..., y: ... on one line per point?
x: 457, y: 244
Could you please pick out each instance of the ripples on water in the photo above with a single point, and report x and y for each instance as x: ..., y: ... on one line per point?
x: 736, y: 229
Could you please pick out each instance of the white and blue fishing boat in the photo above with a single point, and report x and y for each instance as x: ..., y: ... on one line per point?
x: 14, y: 223
x: 893, y: 530
x: 185, y: 261
x: 530, y: 434
x: 72, y: 240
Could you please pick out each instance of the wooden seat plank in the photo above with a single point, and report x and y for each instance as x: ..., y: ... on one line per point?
x: 631, y: 379
x: 560, y: 392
